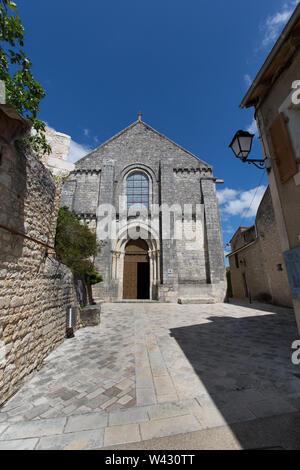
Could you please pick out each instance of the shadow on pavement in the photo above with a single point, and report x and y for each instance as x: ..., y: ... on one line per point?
x: 245, y: 366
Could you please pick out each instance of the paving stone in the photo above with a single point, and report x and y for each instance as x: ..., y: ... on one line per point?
x: 144, y: 381
x: 19, y: 410
x: 84, y: 440
x: 128, y: 416
x: 96, y: 402
x: 295, y: 402
x: 3, y: 417
x: 210, y: 417
x: 121, y: 434
x: 160, y: 370
x: 86, y: 422
x: 108, y: 403
x: 20, y: 444
x: 251, y: 371
x: 126, y: 383
x: 164, y: 385
x: 84, y: 409
x: 234, y: 413
x: 124, y: 400
x: 3, y: 426
x: 36, y: 411
x: 145, y: 396
x: 167, y: 398
x: 271, y: 407
x: 27, y: 429
x: 169, y: 427
x: 69, y: 410
x: 167, y: 410
x: 243, y: 397
x: 65, y: 394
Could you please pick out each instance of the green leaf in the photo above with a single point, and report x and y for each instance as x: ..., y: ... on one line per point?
x: 24, y: 93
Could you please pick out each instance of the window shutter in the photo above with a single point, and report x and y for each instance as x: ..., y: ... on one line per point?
x: 284, y: 153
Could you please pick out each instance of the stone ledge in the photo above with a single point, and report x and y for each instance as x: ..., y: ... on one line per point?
x: 196, y: 300
x: 90, y: 315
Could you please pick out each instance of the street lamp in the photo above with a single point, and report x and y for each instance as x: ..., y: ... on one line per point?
x: 241, y: 146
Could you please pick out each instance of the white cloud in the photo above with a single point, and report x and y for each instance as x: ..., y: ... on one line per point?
x: 248, y: 79
x: 242, y: 203
x: 276, y: 22
x: 86, y: 132
x: 226, y: 195
x: 252, y: 128
x: 77, y: 151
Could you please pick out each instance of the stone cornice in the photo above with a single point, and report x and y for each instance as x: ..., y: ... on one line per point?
x: 86, y: 171
x: 193, y: 170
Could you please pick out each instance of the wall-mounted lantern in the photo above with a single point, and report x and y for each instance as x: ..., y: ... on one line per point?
x: 241, y: 146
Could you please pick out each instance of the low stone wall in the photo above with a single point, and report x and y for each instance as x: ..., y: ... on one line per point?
x: 35, y: 290
x: 89, y: 316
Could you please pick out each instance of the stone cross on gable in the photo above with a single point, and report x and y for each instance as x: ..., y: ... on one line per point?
x: 140, y: 116
x: 2, y: 92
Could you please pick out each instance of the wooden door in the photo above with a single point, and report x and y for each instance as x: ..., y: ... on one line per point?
x: 136, y: 282
x: 130, y: 280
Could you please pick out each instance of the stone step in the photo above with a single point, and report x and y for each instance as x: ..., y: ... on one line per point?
x: 196, y: 300
x: 135, y: 301
x: 97, y: 300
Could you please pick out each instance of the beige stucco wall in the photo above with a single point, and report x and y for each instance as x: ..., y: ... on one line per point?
x: 262, y: 261
x: 286, y: 197
x: 252, y: 267
x: 271, y: 254
x: 289, y: 192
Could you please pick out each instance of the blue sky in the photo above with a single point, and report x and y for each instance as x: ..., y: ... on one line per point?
x: 186, y: 64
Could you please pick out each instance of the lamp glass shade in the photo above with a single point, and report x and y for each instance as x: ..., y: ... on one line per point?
x: 241, y: 144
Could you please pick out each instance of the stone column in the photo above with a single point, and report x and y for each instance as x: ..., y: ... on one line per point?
x: 169, y: 265
x: 103, y: 261
x: 215, y: 247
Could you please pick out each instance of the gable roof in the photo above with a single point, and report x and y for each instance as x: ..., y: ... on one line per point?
x: 140, y: 122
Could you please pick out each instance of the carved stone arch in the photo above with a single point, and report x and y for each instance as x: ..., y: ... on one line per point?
x: 149, y: 235
x: 137, y: 166
x: 142, y: 168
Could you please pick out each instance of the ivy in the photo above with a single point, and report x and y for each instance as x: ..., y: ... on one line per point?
x: 23, y: 92
x: 75, y: 245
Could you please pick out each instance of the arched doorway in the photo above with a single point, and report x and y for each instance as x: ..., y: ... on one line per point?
x: 136, y: 283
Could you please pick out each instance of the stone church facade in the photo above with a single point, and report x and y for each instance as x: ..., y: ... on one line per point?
x: 153, y: 205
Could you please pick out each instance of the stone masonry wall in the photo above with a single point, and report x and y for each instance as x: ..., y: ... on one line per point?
x: 35, y: 290
x: 261, y: 261
x: 176, y: 177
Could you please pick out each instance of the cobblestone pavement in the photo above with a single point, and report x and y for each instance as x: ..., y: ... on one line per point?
x: 153, y: 370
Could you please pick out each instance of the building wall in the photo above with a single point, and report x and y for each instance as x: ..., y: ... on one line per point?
x: 250, y: 265
x: 271, y: 254
x: 35, y: 289
x: 57, y: 161
x: 261, y: 261
x: 176, y: 178
x: 289, y: 192
x: 286, y: 196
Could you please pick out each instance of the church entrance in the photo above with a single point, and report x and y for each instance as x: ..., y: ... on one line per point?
x: 136, y: 284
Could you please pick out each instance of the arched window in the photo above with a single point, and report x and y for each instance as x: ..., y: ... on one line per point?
x: 137, y: 190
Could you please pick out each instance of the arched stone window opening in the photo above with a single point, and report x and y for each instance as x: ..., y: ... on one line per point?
x: 137, y: 191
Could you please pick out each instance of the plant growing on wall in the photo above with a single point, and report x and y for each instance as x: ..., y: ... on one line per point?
x: 75, y: 245
x: 23, y: 92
